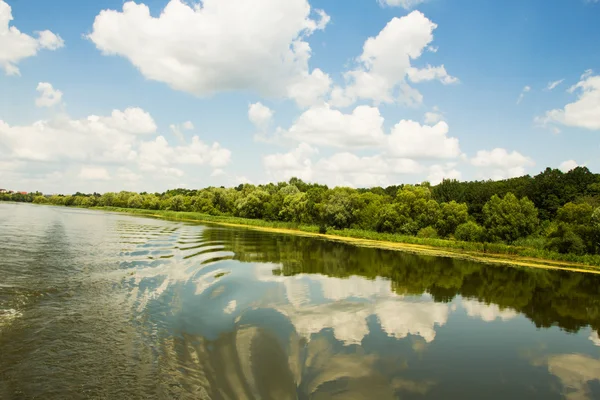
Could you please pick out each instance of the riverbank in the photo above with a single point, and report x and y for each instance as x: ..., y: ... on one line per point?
x: 481, y: 252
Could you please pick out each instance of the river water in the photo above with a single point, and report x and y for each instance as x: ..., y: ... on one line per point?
x: 96, y: 305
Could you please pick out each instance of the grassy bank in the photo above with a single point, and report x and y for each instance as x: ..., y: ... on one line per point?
x: 484, y: 252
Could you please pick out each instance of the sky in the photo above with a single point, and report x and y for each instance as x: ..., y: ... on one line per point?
x: 151, y: 95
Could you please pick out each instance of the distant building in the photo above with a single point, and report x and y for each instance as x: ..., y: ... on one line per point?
x: 22, y: 192
x: 3, y: 191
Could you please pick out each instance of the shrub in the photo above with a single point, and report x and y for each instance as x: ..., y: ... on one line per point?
x: 469, y: 232
x: 427, y: 232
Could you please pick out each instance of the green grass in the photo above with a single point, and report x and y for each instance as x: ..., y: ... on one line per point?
x: 526, y: 248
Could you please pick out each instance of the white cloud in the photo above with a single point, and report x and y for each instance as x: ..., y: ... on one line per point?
x: 430, y: 73
x: 48, y: 95
x: 177, y: 129
x: 526, y: 89
x: 16, y: 46
x: 296, y: 163
x: 310, y: 89
x: 214, y: 46
x: 406, y: 4
x: 127, y: 175
x: 347, y: 169
x: 217, y: 172
x: 554, y: 84
x: 583, y: 113
x: 94, y: 173
x: 363, y: 128
x: 437, y: 173
x: 410, y: 139
x: 568, y: 165
x: 100, y: 152
x: 132, y: 120
x: 158, y: 155
x: 500, y: 164
x: 487, y: 312
x: 325, y: 126
x: 95, y: 138
x: 386, y: 61
x: 260, y: 115
x: 433, y: 117
x: 343, y: 169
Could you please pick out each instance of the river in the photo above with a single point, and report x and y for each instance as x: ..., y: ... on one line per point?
x: 97, y: 305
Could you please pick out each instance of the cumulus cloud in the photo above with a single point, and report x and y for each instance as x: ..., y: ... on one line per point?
x: 430, y: 73
x: 95, y: 138
x: 500, y: 164
x: 413, y: 140
x: 526, y: 89
x: 554, y: 84
x: 385, y: 64
x: 583, y: 113
x: 216, y: 45
x: 112, y: 148
x: 260, y: 115
x: 439, y: 172
x: 94, y: 173
x: 16, y: 46
x: 324, y: 126
x: 159, y: 155
x: 310, y: 89
x: 433, y: 117
x: 406, y: 4
x: 343, y: 169
x: 363, y: 128
x: 296, y: 163
x: 48, y: 95
x: 568, y: 165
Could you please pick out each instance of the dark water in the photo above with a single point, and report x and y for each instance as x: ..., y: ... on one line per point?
x: 104, y: 306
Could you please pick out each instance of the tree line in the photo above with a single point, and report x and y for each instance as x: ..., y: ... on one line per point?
x: 553, y: 210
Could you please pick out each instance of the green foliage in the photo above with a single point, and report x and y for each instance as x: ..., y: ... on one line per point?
x: 470, y: 232
x: 428, y: 232
x: 467, y: 213
x: 564, y: 240
x: 507, y: 219
x: 451, y: 215
x: 40, y: 200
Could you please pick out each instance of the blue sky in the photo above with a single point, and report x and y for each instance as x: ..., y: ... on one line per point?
x: 357, y: 93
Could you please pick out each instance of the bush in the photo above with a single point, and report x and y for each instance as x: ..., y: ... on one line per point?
x: 427, y: 232
x: 469, y: 232
x: 322, y: 229
x: 565, y: 240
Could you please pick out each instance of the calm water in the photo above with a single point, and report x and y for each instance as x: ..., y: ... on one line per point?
x: 105, y: 306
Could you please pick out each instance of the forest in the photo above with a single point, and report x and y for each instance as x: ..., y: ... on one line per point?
x: 553, y: 211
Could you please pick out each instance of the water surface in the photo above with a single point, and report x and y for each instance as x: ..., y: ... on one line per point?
x: 97, y: 305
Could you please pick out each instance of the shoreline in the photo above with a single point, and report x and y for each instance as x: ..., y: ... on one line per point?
x: 418, y: 249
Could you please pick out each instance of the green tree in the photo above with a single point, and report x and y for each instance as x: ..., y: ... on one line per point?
x: 135, y: 201
x: 508, y: 218
x: 469, y: 232
x: 564, y: 240
x: 451, y: 215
